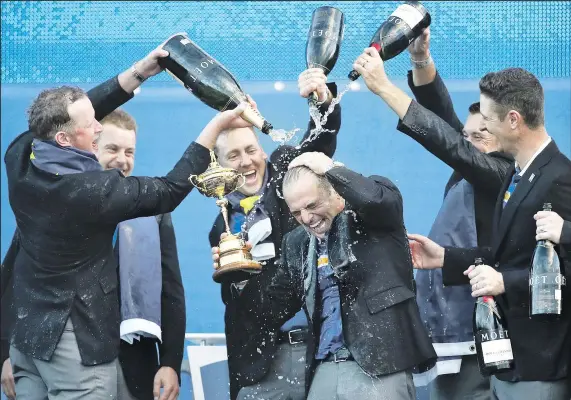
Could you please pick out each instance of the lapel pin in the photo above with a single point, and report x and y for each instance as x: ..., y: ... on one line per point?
x: 531, y: 177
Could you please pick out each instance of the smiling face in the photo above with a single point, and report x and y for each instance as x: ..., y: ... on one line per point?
x: 241, y: 150
x: 505, y: 128
x: 116, y: 148
x: 480, y: 138
x: 84, y: 128
x: 313, y: 203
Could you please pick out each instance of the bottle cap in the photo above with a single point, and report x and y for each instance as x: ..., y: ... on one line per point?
x: 353, y: 75
x: 267, y: 127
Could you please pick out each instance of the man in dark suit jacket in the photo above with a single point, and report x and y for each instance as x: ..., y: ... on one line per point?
x: 142, y: 373
x: 464, y: 220
x: 115, y: 148
x: 260, y: 361
x: 512, y: 107
x: 348, y: 265
x: 66, y: 326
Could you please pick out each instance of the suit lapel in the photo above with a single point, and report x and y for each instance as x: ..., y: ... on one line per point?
x: 523, y: 188
x: 339, y: 251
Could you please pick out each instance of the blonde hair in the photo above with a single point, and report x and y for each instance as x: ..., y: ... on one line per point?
x: 121, y: 119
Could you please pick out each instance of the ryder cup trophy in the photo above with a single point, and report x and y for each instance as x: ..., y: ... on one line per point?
x: 235, y: 263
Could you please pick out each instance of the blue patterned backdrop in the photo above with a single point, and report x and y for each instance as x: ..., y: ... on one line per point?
x: 46, y: 43
x: 83, y: 41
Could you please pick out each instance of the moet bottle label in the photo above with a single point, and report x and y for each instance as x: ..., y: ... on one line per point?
x: 407, y: 14
x: 496, y: 346
x: 550, y: 278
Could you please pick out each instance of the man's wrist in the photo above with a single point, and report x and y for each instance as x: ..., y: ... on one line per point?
x: 137, y: 74
x: 327, y: 100
x: 441, y: 255
x: 384, y: 87
x: 422, y: 63
x: 420, y: 56
x: 209, y: 134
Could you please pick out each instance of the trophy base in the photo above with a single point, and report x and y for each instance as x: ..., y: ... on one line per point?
x: 236, y: 262
x: 237, y: 271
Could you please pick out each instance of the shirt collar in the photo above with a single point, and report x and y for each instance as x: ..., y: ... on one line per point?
x: 541, y: 148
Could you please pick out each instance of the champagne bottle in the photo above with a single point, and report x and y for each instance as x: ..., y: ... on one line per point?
x: 206, y: 78
x: 546, y: 279
x: 493, y: 345
x: 404, y: 25
x: 324, y: 40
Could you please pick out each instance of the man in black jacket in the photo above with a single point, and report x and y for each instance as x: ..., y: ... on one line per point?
x: 348, y: 265
x: 464, y: 220
x: 115, y: 149
x: 264, y: 362
x: 66, y: 326
x: 512, y: 108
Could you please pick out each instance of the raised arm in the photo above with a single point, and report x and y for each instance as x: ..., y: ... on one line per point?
x: 114, y: 198
x: 313, y: 80
x: 438, y: 137
x: 427, y: 85
x: 486, y: 171
x: 375, y: 199
x: 326, y: 141
x: 116, y: 91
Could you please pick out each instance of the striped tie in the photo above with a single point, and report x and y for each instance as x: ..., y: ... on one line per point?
x: 515, y: 180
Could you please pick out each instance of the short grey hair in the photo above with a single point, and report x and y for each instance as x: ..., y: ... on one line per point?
x: 293, y: 175
x: 48, y: 113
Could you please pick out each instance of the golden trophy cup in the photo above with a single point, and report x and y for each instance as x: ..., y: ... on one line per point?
x: 235, y: 263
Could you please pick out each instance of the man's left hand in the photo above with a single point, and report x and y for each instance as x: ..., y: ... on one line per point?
x: 485, y: 281
x: 167, y: 379
x: 149, y: 66
x: 549, y: 226
x: 317, y: 162
x: 372, y: 69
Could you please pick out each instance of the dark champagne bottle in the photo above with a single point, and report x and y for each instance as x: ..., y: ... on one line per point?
x: 546, y: 280
x: 404, y: 25
x: 206, y: 78
x: 493, y: 345
x: 324, y: 39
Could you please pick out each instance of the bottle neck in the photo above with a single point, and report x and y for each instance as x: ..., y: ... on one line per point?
x: 545, y: 243
x: 254, y: 117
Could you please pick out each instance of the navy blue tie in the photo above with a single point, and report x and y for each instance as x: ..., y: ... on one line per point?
x: 515, y: 180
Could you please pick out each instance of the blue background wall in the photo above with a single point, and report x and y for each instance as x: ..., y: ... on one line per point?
x: 50, y: 43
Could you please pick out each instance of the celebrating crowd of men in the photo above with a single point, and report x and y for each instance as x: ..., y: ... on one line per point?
x: 91, y: 283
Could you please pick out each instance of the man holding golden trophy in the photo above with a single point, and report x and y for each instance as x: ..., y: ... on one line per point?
x: 236, y: 263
